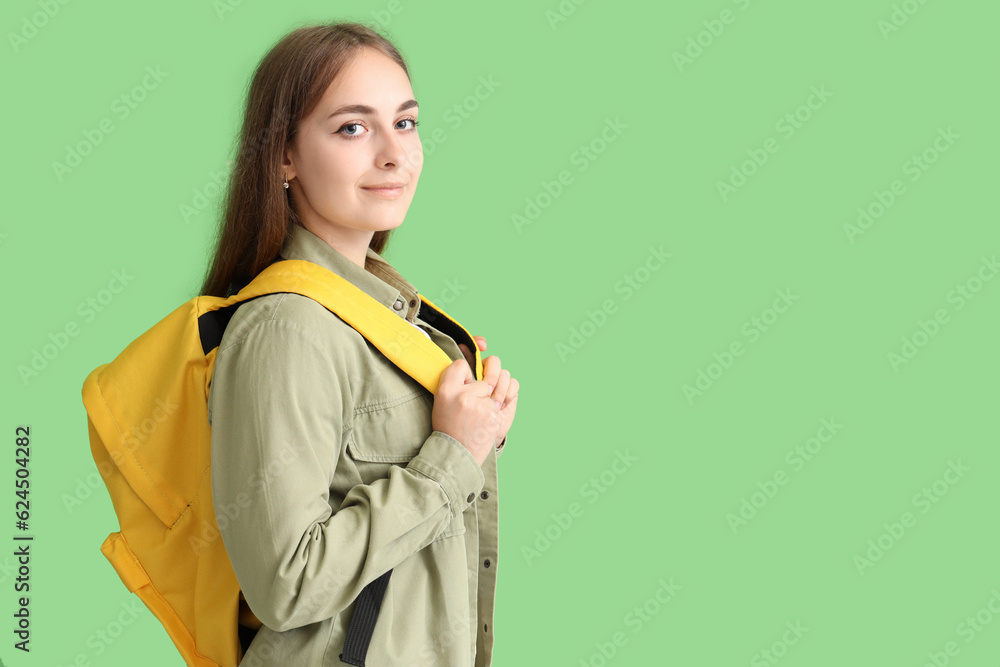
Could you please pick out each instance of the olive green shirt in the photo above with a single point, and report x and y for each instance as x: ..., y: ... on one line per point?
x: 326, y: 473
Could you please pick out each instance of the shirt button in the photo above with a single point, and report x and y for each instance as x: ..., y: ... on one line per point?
x: 487, y: 562
x: 471, y: 497
x: 484, y: 495
x: 398, y: 305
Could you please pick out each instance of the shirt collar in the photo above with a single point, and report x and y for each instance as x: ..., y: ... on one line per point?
x: 380, y: 281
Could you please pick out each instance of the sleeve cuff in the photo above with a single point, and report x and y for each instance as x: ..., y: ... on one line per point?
x: 445, y: 460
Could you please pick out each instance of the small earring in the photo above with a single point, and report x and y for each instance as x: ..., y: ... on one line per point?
x: 286, y: 182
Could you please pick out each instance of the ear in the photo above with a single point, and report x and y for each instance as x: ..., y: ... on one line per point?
x: 288, y: 165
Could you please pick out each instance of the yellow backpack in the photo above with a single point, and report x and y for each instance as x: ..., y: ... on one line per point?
x: 147, y: 413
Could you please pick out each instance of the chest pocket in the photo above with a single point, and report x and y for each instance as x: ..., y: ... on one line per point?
x: 389, y: 432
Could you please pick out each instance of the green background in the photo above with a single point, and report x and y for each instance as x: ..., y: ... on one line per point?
x: 538, y: 287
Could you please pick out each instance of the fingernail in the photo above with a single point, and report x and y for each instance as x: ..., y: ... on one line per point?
x: 491, y: 388
x: 498, y: 404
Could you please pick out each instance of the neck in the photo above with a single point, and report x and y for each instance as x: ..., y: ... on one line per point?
x: 351, y: 243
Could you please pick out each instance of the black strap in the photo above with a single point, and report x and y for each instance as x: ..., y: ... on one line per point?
x: 366, y: 609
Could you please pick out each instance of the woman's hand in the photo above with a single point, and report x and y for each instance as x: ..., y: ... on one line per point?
x: 465, y: 410
x: 504, y: 388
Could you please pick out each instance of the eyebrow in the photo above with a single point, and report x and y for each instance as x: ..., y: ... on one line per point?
x: 367, y: 110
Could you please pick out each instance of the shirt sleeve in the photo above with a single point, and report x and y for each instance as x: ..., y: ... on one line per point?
x: 278, y: 415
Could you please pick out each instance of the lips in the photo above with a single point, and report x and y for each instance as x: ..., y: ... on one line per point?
x: 383, y: 186
x: 387, y: 191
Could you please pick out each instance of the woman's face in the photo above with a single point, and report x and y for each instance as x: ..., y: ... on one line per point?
x: 362, y: 134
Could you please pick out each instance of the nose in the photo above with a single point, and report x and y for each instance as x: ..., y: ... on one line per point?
x: 390, y: 150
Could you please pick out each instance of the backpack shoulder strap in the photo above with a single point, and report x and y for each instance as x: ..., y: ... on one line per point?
x: 418, y: 356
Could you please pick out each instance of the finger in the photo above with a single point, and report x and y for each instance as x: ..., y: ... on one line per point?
x: 459, y: 369
x: 491, y: 371
x: 456, y: 373
x: 509, y: 408
x: 511, y: 398
x: 507, y: 415
x: 481, y: 342
x: 503, y: 383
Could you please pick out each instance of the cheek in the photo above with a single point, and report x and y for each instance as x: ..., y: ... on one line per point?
x: 329, y: 165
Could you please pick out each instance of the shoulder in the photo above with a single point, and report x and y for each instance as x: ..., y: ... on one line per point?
x: 289, y: 344
x: 283, y: 355
x: 286, y: 318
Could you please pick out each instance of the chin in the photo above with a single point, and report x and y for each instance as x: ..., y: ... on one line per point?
x: 384, y: 225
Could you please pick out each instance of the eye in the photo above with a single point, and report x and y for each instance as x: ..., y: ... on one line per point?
x: 412, y: 120
x: 349, y: 135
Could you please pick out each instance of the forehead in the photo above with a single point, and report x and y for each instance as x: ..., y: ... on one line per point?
x: 371, y: 78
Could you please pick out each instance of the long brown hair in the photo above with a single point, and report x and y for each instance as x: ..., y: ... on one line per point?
x: 288, y: 84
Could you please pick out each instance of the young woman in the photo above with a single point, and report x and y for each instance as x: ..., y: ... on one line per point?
x: 331, y: 465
